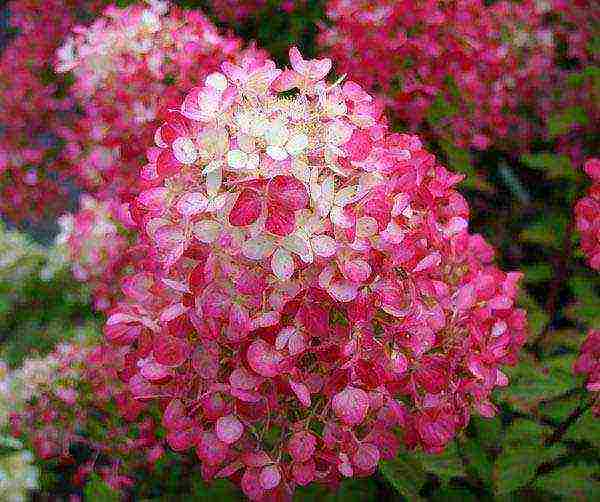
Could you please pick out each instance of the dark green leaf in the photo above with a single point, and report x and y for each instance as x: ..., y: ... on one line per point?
x: 531, y: 382
x: 573, y: 482
x: 405, y: 473
x: 522, y: 453
x: 445, y: 465
x: 586, y: 428
x: 98, y: 491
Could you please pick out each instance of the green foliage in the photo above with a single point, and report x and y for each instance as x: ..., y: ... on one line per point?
x: 447, y: 465
x: 406, y: 474
x: 531, y: 382
x: 563, y: 121
x: 572, y: 482
x: 547, y: 230
x: 96, y: 489
x: 586, y: 305
x: 551, y: 165
x: 521, y: 455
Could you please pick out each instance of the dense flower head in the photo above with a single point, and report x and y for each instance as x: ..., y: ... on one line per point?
x: 587, y: 216
x: 311, y: 296
x: 93, y: 242
x: 32, y: 106
x: 73, y: 397
x: 588, y: 364
x: 577, y: 62
x: 128, y: 67
x: 483, y: 61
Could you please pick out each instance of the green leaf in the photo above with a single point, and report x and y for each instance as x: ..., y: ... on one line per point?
x: 445, y: 465
x: 405, y: 473
x: 586, y: 308
x: 548, y: 230
x: 538, y: 272
x: 560, y: 123
x: 478, y: 461
x: 552, y: 165
x: 350, y: 490
x: 97, y: 490
x: 453, y: 494
x: 560, y: 409
x: 587, y: 429
x: 440, y: 109
x: 531, y: 382
x: 573, y: 482
x: 459, y: 159
x: 523, y: 451
x: 488, y: 431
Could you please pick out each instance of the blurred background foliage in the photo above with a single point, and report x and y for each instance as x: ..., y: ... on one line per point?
x: 544, y: 444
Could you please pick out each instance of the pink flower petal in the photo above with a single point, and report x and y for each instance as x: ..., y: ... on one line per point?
x: 302, y: 393
x: 229, y: 429
x: 351, y: 405
x: 192, y: 203
x: 246, y: 209
x: 270, y: 477
x: 263, y: 358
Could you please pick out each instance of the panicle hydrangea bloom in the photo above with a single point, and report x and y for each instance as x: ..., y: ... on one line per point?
x: 127, y: 67
x: 66, y: 398
x: 587, y: 216
x: 575, y: 29
x: 94, y: 246
x: 31, y: 105
x: 588, y: 364
x: 310, y: 296
x: 469, y: 54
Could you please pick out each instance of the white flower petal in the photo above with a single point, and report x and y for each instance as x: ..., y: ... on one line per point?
x: 343, y: 291
x: 339, y: 218
x: 277, y: 153
x: 366, y: 226
x: 276, y: 133
x: 324, y: 246
x: 298, y: 243
x: 237, y: 159
x: 192, y: 203
x: 297, y: 144
x: 347, y: 195
x: 217, y: 81
x: 207, y: 231
x: 257, y: 248
x: 213, y: 182
x: 282, y: 264
x: 185, y: 150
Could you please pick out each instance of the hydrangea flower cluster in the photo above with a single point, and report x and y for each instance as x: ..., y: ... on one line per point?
x: 127, y: 67
x: 68, y: 398
x: 311, y: 295
x: 575, y: 29
x: 587, y: 216
x: 93, y: 244
x: 469, y: 55
x: 31, y: 105
x: 588, y: 364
